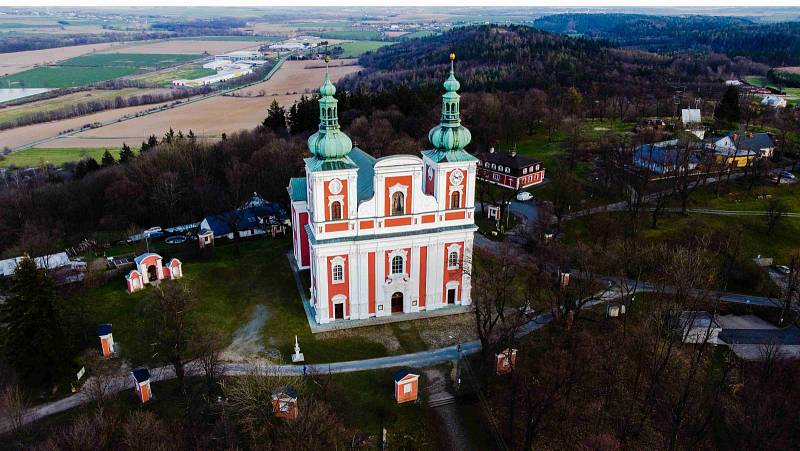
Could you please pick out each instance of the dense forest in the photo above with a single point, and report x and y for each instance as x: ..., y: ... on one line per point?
x: 775, y: 44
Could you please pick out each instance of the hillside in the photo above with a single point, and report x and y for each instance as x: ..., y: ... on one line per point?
x: 520, y: 57
x: 774, y: 44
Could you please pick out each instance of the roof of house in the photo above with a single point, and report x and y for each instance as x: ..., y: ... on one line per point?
x: 9, y: 266
x: 510, y: 159
x: 698, y: 319
x: 141, y: 374
x: 249, y: 215
x: 665, y: 155
x: 756, y: 141
x: 287, y: 390
x: 103, y: 329
x: 401, y: 374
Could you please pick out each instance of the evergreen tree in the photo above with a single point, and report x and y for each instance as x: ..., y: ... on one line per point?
x: 276, y: 118
x: 126, y: 154
x: 85, y: 166
x: 151, y: 143
x: 33, y: 339
x: 191, y: 136
x: 728, y: 108
x: 107, y: 160
x: 304, y: 115
x: 169, y: 137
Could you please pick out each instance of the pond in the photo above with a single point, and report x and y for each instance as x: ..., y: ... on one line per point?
x: 7, y: 94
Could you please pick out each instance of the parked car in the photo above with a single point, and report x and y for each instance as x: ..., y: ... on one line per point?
x: 783, y: 269
x: 153, y: 232
x: 524, y: 196
x: 788, y: 175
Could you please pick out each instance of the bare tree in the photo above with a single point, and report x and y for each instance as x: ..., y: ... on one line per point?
x: 776, y: 210
x: 13, y: 407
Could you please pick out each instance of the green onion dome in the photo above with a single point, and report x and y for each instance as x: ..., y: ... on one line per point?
x: 329, y: 142
x: 450, y: 134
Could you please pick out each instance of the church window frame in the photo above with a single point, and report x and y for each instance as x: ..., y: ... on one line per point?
x: 454, y: 256
x: 336, y: 210
x: 455, y: 200
x: 337, y: 270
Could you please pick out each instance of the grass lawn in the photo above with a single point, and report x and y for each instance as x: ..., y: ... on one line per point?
x: 55, y: 156
x: 92, y: 68
x: 362, y: 35
x: 228, y: 287
x: 357, y: 48
x: 189, y: 72
x: 739, y: 198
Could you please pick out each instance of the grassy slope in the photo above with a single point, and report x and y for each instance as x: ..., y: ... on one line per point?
x: 55, y: 156
x: 228, y: 287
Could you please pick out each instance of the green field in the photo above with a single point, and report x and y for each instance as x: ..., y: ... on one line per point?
x: 137, y: 60
x: 26, y: 25
x: 93, y: 68
x: 189, y: 72
x: 362, y: 35
x: 245, y: 38
x: 358, y: 48
x: 320, y: 24
x: 55, y: 156
x: 417, y: 34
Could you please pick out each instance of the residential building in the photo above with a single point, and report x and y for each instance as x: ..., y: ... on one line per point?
x: 255, y: 217
x: 664, y: 157
x: 509, y: 169
x: 773, y: 101
x: 740, y: 149
x: 385, y: 236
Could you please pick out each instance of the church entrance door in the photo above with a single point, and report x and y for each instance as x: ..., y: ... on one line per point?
x: 397, y: 302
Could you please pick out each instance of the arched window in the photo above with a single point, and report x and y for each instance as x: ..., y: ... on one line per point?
x: 336, y: 211
x: 455, y: 200
x: 398, y: 203
x: 452, y: 260
x: 397, y: 265
x: 338, y: 273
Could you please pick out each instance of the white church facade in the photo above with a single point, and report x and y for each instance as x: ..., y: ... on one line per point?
x: 385, y: 236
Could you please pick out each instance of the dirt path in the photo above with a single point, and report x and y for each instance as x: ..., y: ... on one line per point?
x: 247, y: 341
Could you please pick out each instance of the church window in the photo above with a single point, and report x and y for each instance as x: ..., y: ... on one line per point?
x: 336, y: 211
x: 452, y: 260
x: 455, y: 200
x: 397, y: 265
x: 398, y: 203
x: 507, y: 170
x: 338, y: 273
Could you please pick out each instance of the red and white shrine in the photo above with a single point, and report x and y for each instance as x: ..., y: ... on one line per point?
x: 150, y: 268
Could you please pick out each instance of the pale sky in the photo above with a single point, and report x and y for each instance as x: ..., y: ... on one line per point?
x: 390, y: 3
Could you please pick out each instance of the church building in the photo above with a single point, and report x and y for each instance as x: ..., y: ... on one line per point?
x: 385, y: 236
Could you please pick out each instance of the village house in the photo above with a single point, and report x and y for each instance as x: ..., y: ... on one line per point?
x: 739, y: 149
x: 664, y: 157
x: 509, y: 169
x: 385, y: 236
x: 255, y: 217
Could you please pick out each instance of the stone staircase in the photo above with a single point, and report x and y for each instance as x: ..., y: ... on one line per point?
x: 438, y: 393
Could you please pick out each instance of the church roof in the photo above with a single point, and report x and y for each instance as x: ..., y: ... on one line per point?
x: 318, y: 164
x: 366, y: 173
x: 298, y: 190
x: 449, y: 156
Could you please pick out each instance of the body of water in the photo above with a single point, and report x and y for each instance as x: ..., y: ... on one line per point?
x: 7, y: 94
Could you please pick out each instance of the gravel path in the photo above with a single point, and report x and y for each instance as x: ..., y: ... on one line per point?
x: 247, y: 341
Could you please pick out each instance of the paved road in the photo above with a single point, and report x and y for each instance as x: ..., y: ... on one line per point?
x: 417, y: 359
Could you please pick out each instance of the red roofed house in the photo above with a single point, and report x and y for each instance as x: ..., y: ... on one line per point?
x: 509, y: 169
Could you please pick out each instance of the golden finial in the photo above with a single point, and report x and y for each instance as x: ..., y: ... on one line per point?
x: 452, y: 56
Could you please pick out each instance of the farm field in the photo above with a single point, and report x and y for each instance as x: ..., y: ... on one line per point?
x: 10, y: 113
x: 55, y: 156
x: 21, y: 136
x: 87, y: 69
x: 189, y: 46
x: 357, y: 48
x: 363, y: 35
x: 15, y: 62
x: 212, y: 117
x: 164, y: 78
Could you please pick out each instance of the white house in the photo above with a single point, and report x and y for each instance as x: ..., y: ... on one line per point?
x: 699, y: 327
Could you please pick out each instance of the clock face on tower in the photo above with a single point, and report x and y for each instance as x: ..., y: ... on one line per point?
x: 335, y: 186
x: 456, y: 177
